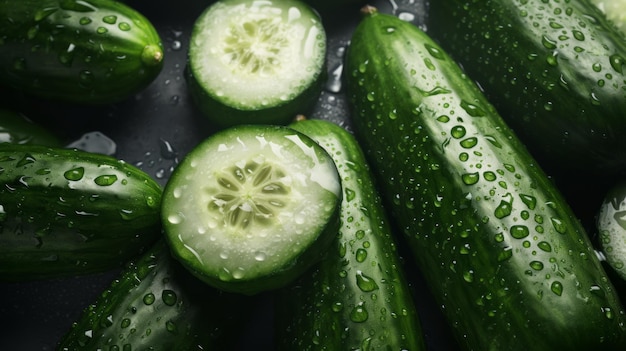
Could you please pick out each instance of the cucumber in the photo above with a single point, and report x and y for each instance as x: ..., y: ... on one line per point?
x: 96, y: 52
x: 66, y: 212
x: 258, y: 62
x: 554, y: 70
x: 252, y: 207
x: 615, y: 11
x: 155, y: 304
x: 15, y: 128
x: 611, y: 227
x: 357, y: 298
x: 504, y: 255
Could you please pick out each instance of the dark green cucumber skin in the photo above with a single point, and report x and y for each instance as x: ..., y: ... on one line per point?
x: 357, y: 298
x: 155, y: 304
x: 554, y: 70
x: 54, y: 49
x: 52, y: 226
x: 502, y: 252
x: 15, y: 128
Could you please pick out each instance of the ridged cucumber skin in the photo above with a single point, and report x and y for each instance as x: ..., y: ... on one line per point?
x: 155, y: 304
x: 502, y: 252
x: 16, y: 128
x: 554, y: 70
x: 357, y: 298
x: 56, y: 220
x: 95, y: 52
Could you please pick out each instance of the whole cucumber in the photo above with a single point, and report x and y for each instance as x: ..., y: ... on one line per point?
x: 358, y: 296
x: 67, y: 212
x: 87, y: 52
x: 155, y: 304
x: 502, y: 252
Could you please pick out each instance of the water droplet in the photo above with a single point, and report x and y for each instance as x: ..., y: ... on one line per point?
x: 536, y: 265
x: 260, y: 256
x: 472, y: 110
x: 101, y: 30
x: 548, y: 43
x: 557, y: 288
x: 365, y: 283
x: 503, y: 210
x: 617, y: 62
x: 529, y: 201
x: 170, y: 326
x: 519, y: 231
x: 359, y: 313
x: 558, y: 225
x: 350, y: 194
x: 125, y: 323
x: 361, y: 255
x: 470, y: 178
x: 111, y: 19
x: 458, y: 132
x: 469, y: 142
x: 106, y: 179
x: 148, y: 299
x: 74, y: 174
x: 169, y: 297
x: 544, y: 246
x: 468, y: 276
x: 124, y: 26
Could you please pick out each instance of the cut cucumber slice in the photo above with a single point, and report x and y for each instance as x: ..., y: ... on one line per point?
x: 256, y: 61
x: 252, y: 207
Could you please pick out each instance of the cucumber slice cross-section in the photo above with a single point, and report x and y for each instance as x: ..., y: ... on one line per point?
x: 252, y: 207
x: 260, y: 62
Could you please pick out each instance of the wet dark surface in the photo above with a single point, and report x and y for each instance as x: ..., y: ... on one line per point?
x: 154, y: 130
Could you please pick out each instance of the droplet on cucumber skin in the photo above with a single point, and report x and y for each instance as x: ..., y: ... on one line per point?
x: 359, y: 313
x: 557, y: 288
x: 106, y: 179
x: 169, y: 297
x: 74, y: 174
x: 148, y: 299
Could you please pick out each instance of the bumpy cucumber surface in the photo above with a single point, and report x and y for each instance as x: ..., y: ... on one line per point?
x: 87, y: 52
x: 357, y: 298
x: 68, y: 212
x: 155, y: 304
x: 553, y: 69
x: 256, y: 61
x: 252, y: 207
x: 504, y: 255
x: 15, y: 128
x: 611, y: 224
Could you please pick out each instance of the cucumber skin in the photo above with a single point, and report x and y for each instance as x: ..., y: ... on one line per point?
x: 463, y: 236
x: 124, y: 315
x: 315, y: 313
x: 56, y: 57
x: 53, y: 227
x: 17, y: 129
x: 568, y: 114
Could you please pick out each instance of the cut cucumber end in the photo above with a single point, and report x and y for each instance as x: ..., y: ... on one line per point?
x: 252, y: 207
x: 256, y: 61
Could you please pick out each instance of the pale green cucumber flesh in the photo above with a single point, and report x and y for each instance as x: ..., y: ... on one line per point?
x: 252, y: 207
x: 251, y: 56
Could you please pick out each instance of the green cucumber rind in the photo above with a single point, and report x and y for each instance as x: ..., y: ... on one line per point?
x: 358, y: 295
x: 500, y: 249
x: 53, y: 49
x: 554, y: 71
x: 53, y: 226
x: 262, y: 276
x: 155, y: 304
